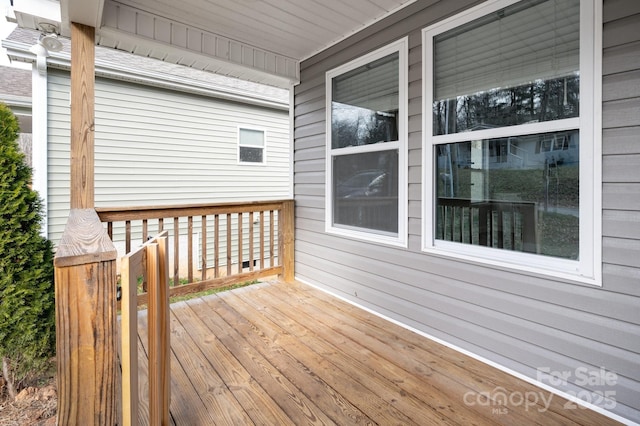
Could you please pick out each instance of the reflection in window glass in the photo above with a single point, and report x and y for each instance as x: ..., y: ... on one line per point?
x: 518, y: 193
x: 518, y: 65
x: 365, y: 190
x: 251, y: 148
x: 250, y: 155
x: 364, y: 105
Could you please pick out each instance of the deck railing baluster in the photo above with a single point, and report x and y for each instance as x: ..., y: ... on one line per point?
x: 204, y: 248
x: 240, y: 238
x: 251, y: 246
x: 228, y: 244
x: 176, y: 251
x: 127, y: 238
x: 237, y: 241
x: 261, y: 239
x: 145, y: 230
x: 216, y: 260
x: 190, y: 249
x: 271, y: 234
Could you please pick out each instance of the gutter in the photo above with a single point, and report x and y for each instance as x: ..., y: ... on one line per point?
x: 16, y: 101
x: 60, y: 60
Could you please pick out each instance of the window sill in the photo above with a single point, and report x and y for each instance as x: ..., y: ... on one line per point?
x: 372, y: 236
x: 534, y: 265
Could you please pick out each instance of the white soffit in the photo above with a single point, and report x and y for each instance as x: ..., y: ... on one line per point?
x: 258, y: 40
x: 34, y: 13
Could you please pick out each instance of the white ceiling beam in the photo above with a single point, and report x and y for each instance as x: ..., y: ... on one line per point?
x: 86, y: 12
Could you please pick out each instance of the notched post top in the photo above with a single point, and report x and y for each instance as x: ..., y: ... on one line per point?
x: 84, y: 240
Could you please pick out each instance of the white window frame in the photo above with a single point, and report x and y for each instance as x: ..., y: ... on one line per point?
x: 400, y: 46
x: 588, y: 269
x: 264, y: 147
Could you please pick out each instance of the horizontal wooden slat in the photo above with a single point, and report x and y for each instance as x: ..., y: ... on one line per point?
x: 214, y: 283
x: 115, y: 214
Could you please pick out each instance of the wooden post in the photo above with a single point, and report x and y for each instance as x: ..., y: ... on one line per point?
x: 82, y: 115
x: 85, y: 268
x: 85, y: 275
x: 159, y: 337
x: 286, y: 225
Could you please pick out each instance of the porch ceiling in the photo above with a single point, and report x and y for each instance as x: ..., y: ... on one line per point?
x: 257, y: 40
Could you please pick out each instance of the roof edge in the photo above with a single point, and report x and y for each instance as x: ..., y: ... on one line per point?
x: 60, y: 60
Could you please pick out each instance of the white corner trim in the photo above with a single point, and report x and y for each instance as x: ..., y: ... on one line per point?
x: 40, y: 137
x: 291, y: 138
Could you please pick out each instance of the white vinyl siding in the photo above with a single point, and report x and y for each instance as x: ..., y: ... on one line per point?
x: 160, y: 147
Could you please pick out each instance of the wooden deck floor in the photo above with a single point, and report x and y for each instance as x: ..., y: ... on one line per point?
x: 278, y: 354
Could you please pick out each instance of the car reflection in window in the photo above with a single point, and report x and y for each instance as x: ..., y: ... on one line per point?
x: 367, y: 183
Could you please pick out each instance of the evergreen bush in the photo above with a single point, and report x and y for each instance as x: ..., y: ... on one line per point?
x: 27, y: 307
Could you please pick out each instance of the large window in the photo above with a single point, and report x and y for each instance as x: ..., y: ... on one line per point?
x: 512, y: 136
x: 366, y: 146
x: 251, y: 146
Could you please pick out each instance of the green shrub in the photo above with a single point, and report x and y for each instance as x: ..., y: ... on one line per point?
x: 27, y: 307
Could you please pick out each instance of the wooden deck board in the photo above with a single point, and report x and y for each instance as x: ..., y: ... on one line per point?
x: 288, y: 354
x: 247, y: 393
x: 300, y: 409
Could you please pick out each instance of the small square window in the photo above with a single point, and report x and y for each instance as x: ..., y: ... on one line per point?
x: 251, y: 144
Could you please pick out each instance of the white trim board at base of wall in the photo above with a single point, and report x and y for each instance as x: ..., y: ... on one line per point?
x: 482, y: 359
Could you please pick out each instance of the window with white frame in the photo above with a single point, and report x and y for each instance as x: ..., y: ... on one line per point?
x: 511, y: 128
x: 366, y: 146
x: 251, y: 144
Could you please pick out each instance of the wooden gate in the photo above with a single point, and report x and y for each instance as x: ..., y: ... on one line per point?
x: 150, y: 264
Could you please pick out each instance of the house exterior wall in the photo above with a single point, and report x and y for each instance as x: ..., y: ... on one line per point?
x: 522, y: 322
x: 162, y: 147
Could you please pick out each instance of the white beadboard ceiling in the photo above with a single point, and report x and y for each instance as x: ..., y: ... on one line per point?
x: 258, y: 40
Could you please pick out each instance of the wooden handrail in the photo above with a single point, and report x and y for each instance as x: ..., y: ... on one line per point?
x: 251, y: 240
x: 117, y: 214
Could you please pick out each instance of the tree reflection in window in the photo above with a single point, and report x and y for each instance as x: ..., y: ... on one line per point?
x: 538, y: 101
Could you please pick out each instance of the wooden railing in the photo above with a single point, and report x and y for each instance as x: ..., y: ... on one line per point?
x: 508, y: 225
x: 238, y: 242
x: 151, y: 263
